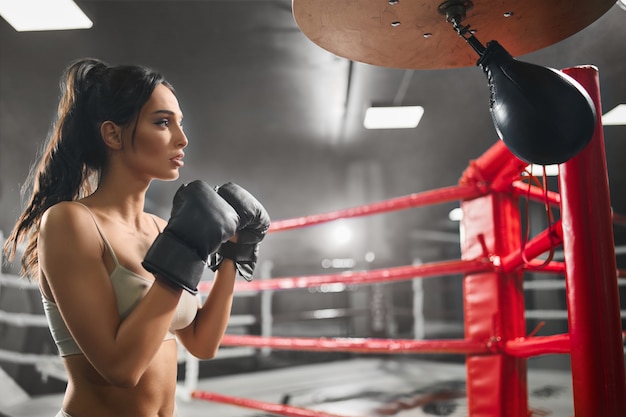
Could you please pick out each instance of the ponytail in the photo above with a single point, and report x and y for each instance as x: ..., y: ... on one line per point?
x: 74, y: 155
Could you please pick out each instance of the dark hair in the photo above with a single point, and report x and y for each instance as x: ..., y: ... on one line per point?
x: 92, y: 92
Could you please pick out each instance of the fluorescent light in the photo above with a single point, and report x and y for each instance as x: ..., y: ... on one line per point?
x: 404, y: 117
x: 617, y: 116
x: 537, y: 170
x: 338, y: 263
x: 341, y: 234
x: 456, y: 214
x: 33, y: 15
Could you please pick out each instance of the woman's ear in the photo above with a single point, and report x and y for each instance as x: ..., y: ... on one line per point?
x: 111, y: 135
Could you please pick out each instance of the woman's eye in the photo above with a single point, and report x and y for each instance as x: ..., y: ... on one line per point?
x: 163, y: 123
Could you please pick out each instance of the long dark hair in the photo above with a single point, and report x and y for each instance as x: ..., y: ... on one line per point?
x: 74, y: 155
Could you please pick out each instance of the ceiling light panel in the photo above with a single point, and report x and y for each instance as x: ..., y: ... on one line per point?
x: 40, y: 15
x: 401, y: 117
x: 617, y: 116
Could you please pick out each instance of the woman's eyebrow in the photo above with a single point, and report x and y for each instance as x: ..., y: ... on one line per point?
x: 164, y: 111
x: 167, y: 112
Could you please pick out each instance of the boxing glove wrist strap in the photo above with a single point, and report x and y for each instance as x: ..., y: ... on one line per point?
x: 171, y: 259
x: 243, y: 254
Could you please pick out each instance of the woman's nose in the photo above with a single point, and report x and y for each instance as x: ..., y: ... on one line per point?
x: 182, y: 139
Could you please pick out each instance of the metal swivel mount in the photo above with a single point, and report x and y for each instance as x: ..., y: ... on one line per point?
x: 455, y: 12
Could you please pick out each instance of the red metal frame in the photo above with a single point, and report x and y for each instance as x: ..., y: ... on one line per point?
x: 494, y: 305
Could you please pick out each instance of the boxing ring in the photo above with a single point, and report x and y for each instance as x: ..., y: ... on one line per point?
x: 495, y: 256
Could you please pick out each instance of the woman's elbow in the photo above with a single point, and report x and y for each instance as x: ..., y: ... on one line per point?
x: 121, y: 377
x: 205, y: 353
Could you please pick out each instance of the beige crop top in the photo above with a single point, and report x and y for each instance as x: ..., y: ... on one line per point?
x: 129, y: 288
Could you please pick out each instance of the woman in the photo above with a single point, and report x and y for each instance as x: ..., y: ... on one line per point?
x: 119, y: 284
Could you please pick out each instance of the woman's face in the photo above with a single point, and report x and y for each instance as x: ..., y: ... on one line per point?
x: 156, y: 150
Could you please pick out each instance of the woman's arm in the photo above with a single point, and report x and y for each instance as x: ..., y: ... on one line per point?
x: 203, y: 337
x: 70, y: 257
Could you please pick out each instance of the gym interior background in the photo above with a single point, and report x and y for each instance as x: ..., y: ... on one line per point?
x: 270, y: 110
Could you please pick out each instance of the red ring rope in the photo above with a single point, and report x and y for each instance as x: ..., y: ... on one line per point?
x: 361, y: 345
x: 280, y: 409
x: 441, y: 195
x: 363, y: 277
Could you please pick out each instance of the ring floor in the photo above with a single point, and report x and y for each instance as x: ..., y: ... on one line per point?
x: 363, y: 387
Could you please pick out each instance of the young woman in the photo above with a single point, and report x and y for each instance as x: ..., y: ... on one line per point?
x: 118, y: 284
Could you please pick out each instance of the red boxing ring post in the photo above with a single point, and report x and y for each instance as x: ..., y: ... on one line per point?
x: 593, y: 300
x: 496, y: 344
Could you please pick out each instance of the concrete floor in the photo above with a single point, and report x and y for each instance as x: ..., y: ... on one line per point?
x: 365, y: 387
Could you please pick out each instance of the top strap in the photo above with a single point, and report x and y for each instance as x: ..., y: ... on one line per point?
x: 104, y: 239
x: 155, y: 222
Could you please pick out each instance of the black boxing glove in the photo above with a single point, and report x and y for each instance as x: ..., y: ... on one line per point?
x: 200, y: 221
x: 253, y: 225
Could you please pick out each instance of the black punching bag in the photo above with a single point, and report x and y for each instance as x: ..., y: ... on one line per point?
x: 542, y: 115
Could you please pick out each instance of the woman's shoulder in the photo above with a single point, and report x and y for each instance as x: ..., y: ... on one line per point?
x: 67, y: 232
x: 67, y: 218
x: 65, y: 212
